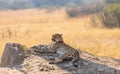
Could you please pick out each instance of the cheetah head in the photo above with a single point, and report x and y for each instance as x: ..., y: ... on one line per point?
x: 57, y: 37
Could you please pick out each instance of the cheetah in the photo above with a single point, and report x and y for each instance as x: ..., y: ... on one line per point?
x: 64, y: 51
x: 42, y: 49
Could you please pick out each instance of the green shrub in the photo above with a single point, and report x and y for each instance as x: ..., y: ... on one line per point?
x: 73, y: 12
x: 110, y: 16
x: 83, y: 10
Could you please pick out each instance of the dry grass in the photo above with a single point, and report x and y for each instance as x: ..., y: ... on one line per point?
x: 34, y: 27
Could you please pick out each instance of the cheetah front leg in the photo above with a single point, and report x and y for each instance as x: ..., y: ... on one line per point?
x: 73, y: 63
x: 76, y: 62
x: 56, y: 59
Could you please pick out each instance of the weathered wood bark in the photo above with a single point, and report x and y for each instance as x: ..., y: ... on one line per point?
x: 13, y: 55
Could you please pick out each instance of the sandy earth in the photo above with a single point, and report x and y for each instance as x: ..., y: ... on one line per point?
x: 89, y: 64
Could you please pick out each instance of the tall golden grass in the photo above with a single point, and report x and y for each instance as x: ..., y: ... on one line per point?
x: 34, y: 27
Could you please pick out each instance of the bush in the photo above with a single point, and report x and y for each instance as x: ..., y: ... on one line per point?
x: 84, y: 10
x: 73, y: 12
x: 110, y: 16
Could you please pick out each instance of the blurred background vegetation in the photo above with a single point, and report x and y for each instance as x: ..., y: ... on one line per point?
x: 90, y: 25
x: 23, y: 4
x: 108, y: 11
x: 110, y: 16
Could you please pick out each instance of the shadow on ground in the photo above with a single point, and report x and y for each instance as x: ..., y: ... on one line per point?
x: 87, y: 65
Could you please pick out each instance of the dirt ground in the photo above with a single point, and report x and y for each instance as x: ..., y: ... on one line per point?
x: 88, y: 64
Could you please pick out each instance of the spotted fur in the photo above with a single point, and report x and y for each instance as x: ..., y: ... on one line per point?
x: 64, y: 51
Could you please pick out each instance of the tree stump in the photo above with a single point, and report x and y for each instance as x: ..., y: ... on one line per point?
x: 13, y: 55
